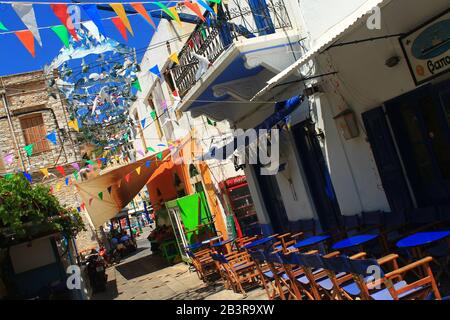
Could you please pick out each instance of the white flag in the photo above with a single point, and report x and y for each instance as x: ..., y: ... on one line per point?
x: 26, y: 14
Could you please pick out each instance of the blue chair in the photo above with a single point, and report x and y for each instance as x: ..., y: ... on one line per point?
x: 375, y: 284
x: 266, y: 272
x: 339, y: 272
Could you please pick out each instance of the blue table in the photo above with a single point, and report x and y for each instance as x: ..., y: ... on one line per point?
x: 258, y: 242
x: 354, y: 241
x: 222, y: 243
x: 310, y: 241
x: 422, y: 238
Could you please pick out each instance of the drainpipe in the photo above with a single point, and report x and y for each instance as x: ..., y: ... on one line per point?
x: 11, y: 127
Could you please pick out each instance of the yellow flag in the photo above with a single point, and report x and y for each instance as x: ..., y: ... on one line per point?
x: 215, y: 8
x: 58, y: 187
x: 74, y: 125
x: 173, y: 10
x: 138, y: 170
x: 120, y: 11
x: 174, y: 58
x: 44, y: 171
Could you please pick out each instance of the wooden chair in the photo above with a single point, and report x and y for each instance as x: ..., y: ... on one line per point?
x: 239, y: 271
x: 203, y: 264
x: 392, y: 285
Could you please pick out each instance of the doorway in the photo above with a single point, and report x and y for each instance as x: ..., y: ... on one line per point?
x: 317, y: 175
x: 421, y: 125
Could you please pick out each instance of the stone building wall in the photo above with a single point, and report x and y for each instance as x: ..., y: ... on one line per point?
x: 28, y: 94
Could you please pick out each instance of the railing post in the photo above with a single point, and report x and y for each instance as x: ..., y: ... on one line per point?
x: 224, y: 28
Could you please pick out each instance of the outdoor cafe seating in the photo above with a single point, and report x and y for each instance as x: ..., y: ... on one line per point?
x: 375, y: 256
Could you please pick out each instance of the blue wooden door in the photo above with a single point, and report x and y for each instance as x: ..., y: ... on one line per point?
x: 387, y: 160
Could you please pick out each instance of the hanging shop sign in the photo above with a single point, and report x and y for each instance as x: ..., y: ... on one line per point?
x: 427, y: 49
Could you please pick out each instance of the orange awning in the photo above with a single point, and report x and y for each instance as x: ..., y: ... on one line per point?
x: 107, y: 194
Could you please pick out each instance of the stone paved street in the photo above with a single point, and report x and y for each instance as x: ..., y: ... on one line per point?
x: 144, y: 276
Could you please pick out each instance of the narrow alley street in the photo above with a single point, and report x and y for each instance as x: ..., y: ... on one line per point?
x: 143, y: 276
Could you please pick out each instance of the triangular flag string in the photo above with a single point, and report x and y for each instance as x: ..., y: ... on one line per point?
x: 174, y: 12
x: 120, y: 11
x: 60, y: 11
x: 165, y: 9
x: 29, y: 150
x: 25, y: 12
x: 155, y: 71
x: 74, y: 125
x: 206, y: 6
x: 92, y: 12
x: 2, y: 27
x: 52, y: 137
x: 194, y: 7
x: 174, y: 58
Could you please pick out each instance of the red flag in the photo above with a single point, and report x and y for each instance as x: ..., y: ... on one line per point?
x: 27, y: 39
x: 60, y: 10
x: 120, y: 26
x: 175, y: 93
x: 61, y: 170
x: 195, y: 8
x: 127, y: 177
x: 139, y: 7
x: 83, y: 206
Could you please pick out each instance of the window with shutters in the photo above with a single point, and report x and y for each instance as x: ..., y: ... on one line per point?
x: 34, y: 132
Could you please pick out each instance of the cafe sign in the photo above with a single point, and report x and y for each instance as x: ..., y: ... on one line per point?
x: 427, y: 49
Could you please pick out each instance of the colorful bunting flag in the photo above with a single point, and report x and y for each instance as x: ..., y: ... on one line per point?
x: 27, y: 39
x: 76, y: 166
x: 2, y: 27
x: 83, y: 206
x: 29, y: 150
x: 148, y: 163
x: 140, y: 152
x: 150, y: 149
x: 143, y: 123
x: 9, y: 158
x: 165, y: 9
x: 206, y: 6
x: 127, y: 177
x: 61, y: 170
x: 67, y: 181
x: 136, y: 85
x: 44, y: 172
x: 78, y: 209
x: 120, y: 26
x: 27, y: 176
x: 74, y: 125
x: 153, y: 114
x: 159, y: 156
x: 58, y: 187
x: 120, y: 11
x: 174, y: 58
x: 194, y: 7
x: 100, y: 195
x: 25, y: 12
x: 60, y: 10
x: 90, y: 162
x: 155, y: 71
x: 75, y: 174
x: 139, y: 7
x: 174, y: 12
x: 52, y: 137
x: 138, y: 170
x: 92, y: 12
x: 62, y: 33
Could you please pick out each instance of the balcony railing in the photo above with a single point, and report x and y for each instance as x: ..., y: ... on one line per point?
x: 241, y: 18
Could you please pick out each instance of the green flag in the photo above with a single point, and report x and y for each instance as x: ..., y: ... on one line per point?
x: 90, y: 162
x: 100, y: 195
x: 2, y: 27
x: 75, y: 174
x: 150, y: 149
x: 159, y: 155
x: 153, y: 114
x: 29, y: 149
x: 136, y: 84
x: 125, y: 136
x: 62, y: 33
x: 210, y: 122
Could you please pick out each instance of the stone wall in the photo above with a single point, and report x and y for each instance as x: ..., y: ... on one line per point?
x: 28, y: 94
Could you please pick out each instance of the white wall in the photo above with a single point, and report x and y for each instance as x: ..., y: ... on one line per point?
x: 364, y: 82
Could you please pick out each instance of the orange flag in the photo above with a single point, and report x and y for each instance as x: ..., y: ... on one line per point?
x: 120, y: 26
x: 27, y: 39
x: 127, y: 177
x: 195, y: 8
x: 120, y: 11
x: 139, y: 7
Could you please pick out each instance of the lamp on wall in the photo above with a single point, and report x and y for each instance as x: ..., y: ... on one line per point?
x: 347, y: 124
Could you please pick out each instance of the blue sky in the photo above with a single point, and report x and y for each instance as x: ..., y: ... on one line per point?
x: 16, y: 59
